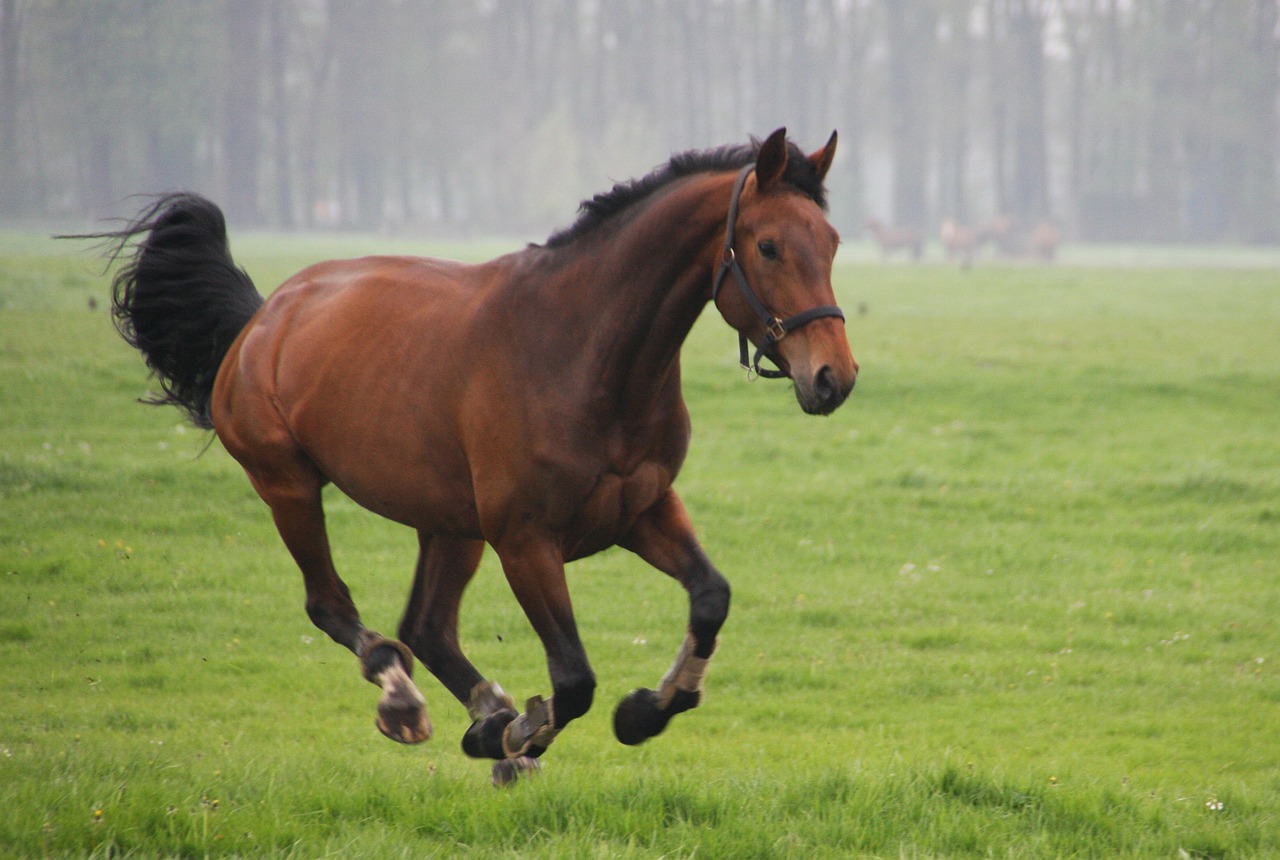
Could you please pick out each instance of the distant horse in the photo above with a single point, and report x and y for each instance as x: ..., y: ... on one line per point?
x: 959, y: 241
x: 532, y: 403
x: 891, y: 239
x: 1044, y: 242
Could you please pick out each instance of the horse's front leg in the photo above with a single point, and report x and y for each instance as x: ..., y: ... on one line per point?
x: 535, y: 570
x: 664, y: 537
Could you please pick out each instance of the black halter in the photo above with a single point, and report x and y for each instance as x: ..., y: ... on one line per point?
x: 775, y: 329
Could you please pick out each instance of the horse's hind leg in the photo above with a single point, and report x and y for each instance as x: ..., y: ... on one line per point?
x: 291, y: 487
x: 664, y: 538
x: 430, y: 625
x: 446, y: 566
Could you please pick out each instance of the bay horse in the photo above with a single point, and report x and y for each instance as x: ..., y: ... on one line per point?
x: 531, y: 403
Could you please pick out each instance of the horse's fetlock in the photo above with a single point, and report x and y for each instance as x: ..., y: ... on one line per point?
x: 487, y: 698
x: 683, y: 700
x: 574, y: 699
x: 376, y: 657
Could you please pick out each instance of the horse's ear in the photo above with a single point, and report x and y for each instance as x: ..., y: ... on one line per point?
x: 821, y: 160
x: 771, y: 163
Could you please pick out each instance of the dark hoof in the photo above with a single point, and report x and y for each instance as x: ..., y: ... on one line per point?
x: 509, y: 770
x: 639, y: 718
x: 402, y: 712
x: 484, y: 738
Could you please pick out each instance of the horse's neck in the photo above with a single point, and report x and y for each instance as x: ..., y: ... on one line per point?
x: 639, y: 286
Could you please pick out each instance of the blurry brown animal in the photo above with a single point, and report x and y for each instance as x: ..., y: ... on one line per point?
x: 1044, y: 242
x: 959, y: 241
x: 891, y: 239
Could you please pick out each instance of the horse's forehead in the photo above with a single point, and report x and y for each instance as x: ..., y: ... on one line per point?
x: 792, y: 212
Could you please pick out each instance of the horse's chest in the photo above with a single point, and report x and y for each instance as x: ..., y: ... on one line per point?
x: 613, y: 506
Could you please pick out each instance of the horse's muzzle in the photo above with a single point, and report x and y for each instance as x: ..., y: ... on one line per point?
x: 827, y: 389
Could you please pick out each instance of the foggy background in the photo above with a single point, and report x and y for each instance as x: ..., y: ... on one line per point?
x: 1124, y: 120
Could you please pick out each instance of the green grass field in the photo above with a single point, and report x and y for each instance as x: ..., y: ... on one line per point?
x: 1017, y: 598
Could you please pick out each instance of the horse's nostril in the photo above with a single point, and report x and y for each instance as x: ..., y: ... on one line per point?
x: 827, y: 393
x: 824, y: 384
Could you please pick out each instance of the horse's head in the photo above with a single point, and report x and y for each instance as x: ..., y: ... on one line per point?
x: 776, y: 263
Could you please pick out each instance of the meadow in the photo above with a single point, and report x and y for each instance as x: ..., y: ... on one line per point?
x: 1017, y: 598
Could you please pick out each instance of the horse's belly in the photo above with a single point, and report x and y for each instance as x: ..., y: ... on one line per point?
x: 391, y: 466
x: 418, y: 498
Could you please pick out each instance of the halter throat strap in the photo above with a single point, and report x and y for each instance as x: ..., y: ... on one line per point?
x: 775, y: 328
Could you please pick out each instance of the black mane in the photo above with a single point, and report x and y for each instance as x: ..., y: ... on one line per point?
x: 799, y: 174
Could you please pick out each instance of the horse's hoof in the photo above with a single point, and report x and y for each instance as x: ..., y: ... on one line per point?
x: 404, y: 718
x: 402, y: 711
x: 509, y: 770
x: 484, y: 737
x: 639, y: 718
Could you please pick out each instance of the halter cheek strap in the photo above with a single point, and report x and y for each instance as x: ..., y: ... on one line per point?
x: 775, y: 328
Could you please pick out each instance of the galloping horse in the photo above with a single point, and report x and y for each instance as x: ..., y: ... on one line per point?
x: 532, y: 403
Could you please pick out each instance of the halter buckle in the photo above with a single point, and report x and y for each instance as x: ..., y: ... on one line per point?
x: 777, y: 330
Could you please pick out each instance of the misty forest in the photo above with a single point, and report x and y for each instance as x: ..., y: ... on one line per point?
x: 1116, y: 120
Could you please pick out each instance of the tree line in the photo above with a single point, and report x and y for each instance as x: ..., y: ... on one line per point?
x: 1115, y: 119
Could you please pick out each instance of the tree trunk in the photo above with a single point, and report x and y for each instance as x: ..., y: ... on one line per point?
x: 242, y: 141
x: 361, y: 131
x: 910, y: 32
x: 280, y: 110
x: 1030, y: 166
x: 1261, y: 219
x: 953, y: 115
x: 11, y: 191
x: 998, y: 78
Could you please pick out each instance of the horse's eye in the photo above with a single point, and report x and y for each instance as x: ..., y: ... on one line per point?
x: 767, y: 249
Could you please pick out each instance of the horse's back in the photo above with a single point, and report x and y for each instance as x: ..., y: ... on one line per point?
x: 354, y: 319
x: 386, y: 281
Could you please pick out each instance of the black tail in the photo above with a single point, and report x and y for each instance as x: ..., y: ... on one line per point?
x: 180, y: 299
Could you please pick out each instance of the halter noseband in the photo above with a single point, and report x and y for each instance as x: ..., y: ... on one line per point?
x: 775, y: 329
